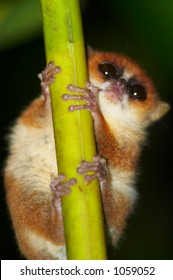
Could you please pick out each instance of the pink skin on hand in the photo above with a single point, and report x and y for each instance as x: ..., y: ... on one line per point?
x: 47, y: 77
x: 98, y: 166
x: 89, y: 95
x: 60, y: 188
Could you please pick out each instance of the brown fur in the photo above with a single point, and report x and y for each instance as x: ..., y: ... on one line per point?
x: 34, y: 211
x: 123, y: 157
x: 116, y: 208
x: 35, y: 114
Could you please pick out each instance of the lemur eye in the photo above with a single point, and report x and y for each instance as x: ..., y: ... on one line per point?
x: 108, y: 70
x: 138, y: 92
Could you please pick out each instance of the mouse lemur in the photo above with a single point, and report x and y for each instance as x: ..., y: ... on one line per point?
x: 123, y: 103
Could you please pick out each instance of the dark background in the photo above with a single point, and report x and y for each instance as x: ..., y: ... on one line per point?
x: 142, y: 30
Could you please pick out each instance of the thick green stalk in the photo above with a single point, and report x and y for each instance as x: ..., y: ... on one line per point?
x: 82, y: 213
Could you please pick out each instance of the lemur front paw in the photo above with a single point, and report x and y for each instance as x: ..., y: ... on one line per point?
x: 60, y: 188
x: 89, y: 95
x: 47, y: 77
x: 98, y: 166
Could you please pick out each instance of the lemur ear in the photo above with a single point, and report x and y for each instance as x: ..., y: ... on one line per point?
x: 161, y: 109
x: 90, y: 51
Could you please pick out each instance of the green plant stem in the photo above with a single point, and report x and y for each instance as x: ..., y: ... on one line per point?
x: 74, y: 140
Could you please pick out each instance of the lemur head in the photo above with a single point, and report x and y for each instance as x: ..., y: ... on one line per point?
x: 126, y: 94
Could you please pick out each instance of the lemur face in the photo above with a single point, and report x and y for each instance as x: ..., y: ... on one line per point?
x: 126, y: 93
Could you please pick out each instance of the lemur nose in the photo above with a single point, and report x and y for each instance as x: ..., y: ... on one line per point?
x: 123, y: 82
